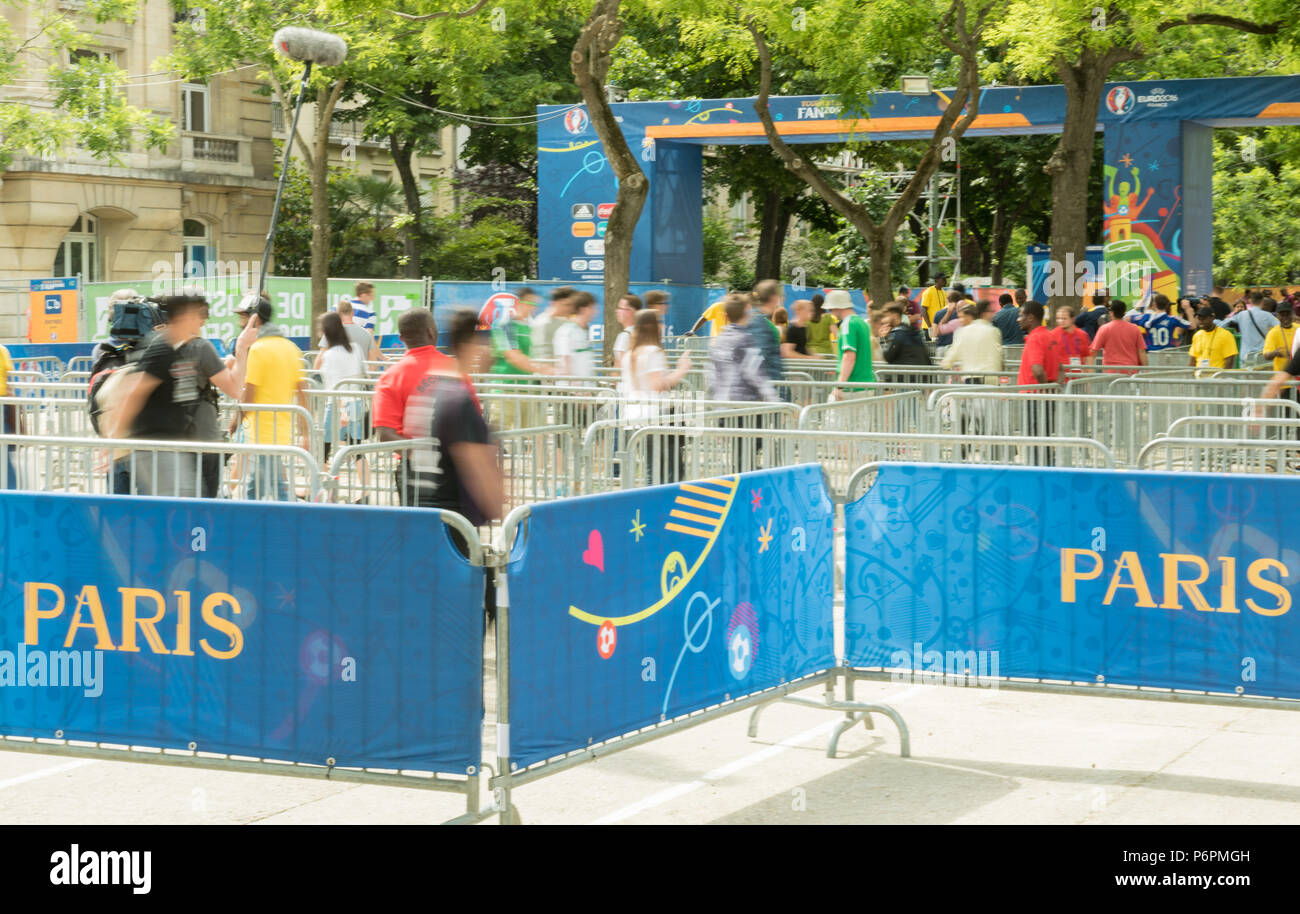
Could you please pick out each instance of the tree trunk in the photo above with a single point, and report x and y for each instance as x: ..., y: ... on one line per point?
x: 320, y: 205
x: 402, y: 155
x: 1003, y: 224
x: 1070, y: 166
x: 775, y: 214
x: 590, y: 61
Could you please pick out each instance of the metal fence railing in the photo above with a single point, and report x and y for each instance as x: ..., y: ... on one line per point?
x: 174, y: 469
x: 604, y: 443
x: 659, y: 455
x: 1283, y: 429
x: 1123, y: 423
x: 1220, y: 455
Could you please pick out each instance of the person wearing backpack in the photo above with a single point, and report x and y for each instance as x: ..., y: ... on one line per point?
x: 169, y: 396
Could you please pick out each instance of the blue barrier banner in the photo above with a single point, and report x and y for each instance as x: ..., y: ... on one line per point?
x: 295, y: 632
x: 631, y: 608
x: 1180, y: 581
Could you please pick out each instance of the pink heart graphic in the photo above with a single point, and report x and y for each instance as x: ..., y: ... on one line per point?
x: 595, y: 554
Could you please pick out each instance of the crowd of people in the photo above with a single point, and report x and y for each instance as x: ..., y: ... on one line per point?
x: 169, y: 389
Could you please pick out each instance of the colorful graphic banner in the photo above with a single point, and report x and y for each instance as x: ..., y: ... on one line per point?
x: 632, y: 608
x: 52, y: 317
x: 158, y: 622
x: 1180, y: 581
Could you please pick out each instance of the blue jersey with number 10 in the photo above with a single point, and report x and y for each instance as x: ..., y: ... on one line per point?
x: 1161, y: 329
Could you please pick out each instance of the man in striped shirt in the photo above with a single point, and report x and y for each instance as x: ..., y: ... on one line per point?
x: 363, y: 307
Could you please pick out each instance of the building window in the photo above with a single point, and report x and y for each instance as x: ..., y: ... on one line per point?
x: 194, y: 107
x: 200, y: 252
x: 382, y: 174
x: 78, y: 254
x: 739, y: 215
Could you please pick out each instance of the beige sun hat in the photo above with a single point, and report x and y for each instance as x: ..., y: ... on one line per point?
x: 838, y: 300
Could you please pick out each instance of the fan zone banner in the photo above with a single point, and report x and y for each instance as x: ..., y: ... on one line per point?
x: 295, y: 632
x: 1176, y: 581
x: 632, y: 608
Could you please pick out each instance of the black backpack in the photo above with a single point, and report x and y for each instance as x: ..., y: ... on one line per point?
x: 109, y: 358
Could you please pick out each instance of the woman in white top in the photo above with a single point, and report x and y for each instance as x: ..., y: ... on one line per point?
x: 645, y: 367
x: 338, y: 361
x: 645, y: 379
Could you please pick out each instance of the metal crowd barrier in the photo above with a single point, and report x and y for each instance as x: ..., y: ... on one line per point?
x: 80, y: 363
x: 1124, y: 423
x: 662, y: 455
x: 899, y: 414
x: 1175, y: 356
x: 1221, y: 455
x: 197, y: 707
x: 49, y: 416
x: 604, y: 443
x: 174, y: 469
x: 1216, y: 388
x: 47, y: 367
x: 1234, y: 427
x: 28, y: 386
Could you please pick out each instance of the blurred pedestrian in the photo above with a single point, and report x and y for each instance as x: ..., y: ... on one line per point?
x: 171, y: 395
x: 735, y: 368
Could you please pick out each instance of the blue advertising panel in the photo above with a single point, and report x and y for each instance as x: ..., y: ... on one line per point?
x: 1179, y: 581
x: 635, y: 607
x: 295, y: 632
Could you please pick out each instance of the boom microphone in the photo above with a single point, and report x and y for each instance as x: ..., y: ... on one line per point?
x: 310, y: 46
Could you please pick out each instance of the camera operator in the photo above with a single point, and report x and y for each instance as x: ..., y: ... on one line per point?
x: 171, y: 396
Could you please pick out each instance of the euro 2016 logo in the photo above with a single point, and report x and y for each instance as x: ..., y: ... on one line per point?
x: 576, y: 120
x: 1119, y: 100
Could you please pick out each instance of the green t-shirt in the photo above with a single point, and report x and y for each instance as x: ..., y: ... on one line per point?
x: 506, y: 335
x: 855, y: 336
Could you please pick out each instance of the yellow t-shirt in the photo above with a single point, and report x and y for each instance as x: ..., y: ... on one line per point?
x: 6, y: 366
x: 717, y: 315
x: 275, y: 370
x: 1212, y: 348
x: 933, y: 300
x: 1279, y: 338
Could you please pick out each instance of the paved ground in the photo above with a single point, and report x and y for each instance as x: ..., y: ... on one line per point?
x: 979, y: 757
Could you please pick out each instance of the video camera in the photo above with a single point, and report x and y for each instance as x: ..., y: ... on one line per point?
x: 133, y: 319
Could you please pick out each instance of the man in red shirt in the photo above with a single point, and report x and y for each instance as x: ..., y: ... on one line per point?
x: 1123, y: 342
x: 1074, y: 345
x: 394, y: 418
x: 1040, y: 363
x: 402, y: 409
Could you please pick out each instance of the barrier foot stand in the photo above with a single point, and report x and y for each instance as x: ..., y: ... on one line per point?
x: 854, y: 712
x: 857, y: 712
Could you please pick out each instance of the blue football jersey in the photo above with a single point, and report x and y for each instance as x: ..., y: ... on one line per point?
x: 1160, y: 328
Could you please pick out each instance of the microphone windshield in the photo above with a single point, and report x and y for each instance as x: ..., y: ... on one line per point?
x: 310, y: 46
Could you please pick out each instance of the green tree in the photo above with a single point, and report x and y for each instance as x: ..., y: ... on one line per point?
x: 1079, y: 43
x: 1256, y: 205
x: 72, y: 99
